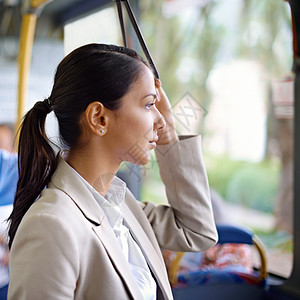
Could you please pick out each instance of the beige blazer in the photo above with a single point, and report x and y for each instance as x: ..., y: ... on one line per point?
x: 65, y: 248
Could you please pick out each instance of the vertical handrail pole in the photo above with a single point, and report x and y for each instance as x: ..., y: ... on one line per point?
x: 140, y: 37
x: 28, y: 26
x: 120, y: 13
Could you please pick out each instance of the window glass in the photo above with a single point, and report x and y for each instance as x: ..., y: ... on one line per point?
x: 229, y: 79
x: 99, y: 27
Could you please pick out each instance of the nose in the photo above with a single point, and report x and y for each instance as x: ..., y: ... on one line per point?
x: 159, y: 120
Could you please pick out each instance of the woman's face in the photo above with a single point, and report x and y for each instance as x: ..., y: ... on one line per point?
x: 133, y: 127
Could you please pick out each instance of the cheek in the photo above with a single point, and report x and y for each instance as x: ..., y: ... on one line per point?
x: 148, y: 120
x: 146, y: 129
x: 141, y: 124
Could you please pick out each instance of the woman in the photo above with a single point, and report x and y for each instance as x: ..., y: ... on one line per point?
x: 84, y: 236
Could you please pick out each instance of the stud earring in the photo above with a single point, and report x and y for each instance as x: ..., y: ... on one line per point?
x: 102, y: 131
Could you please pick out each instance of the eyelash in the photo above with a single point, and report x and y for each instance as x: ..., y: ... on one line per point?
x: 148, y: 105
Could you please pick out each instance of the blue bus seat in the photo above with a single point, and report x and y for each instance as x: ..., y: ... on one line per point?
x: 212, y: 284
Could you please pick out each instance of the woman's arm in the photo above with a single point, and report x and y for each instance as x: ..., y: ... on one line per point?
x: 188, y: 223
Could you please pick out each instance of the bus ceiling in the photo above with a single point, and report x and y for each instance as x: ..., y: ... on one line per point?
x: 59, y: 12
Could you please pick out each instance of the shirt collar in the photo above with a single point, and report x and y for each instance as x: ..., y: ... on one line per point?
x: 111, y: 202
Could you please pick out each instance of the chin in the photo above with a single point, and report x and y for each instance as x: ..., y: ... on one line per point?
x: 140, y: 160
x: 145, y: 162
x: 138, y: 155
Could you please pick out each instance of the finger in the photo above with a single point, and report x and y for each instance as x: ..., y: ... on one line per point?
x: 157, y: 95
x: 157, y: 82
x: 164, y: 103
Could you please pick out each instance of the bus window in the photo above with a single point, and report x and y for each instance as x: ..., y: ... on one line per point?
x: 234, y: 86
x: 98, y: 27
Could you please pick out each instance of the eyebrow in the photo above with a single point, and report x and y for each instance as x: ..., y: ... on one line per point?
x: 151, y: 94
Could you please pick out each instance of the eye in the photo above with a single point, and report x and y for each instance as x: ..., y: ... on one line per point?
x: 149, y: 105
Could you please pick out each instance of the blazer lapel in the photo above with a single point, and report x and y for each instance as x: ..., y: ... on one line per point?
x: 68, y: 181
x: 155, y: 263
x: 106, y: 236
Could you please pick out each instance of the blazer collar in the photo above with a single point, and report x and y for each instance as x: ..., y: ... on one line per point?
x: 69, y: 182
x: 66, y: 179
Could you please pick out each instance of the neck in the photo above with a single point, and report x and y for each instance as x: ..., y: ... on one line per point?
x: 98, y: 169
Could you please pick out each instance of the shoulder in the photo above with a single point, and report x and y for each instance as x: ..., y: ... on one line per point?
x: 55, y: 212
x: 54, y: 206
x: 53, y: 202
x: 49, y: 227
x: 45, y: 240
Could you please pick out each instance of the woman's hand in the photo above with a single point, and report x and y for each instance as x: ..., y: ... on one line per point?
x: 166, y: 135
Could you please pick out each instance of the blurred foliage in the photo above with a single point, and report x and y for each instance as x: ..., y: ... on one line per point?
x: 265, y: 30
x: 186, y: 48
x: 253, y: 185
x: 275, y: 239
x: 220, y: 170
x: 186, y: 51
x: 175, y: 43
x: 203, y: 39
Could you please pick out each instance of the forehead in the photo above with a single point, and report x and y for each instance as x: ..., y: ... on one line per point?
x: 143, y: 86
x: 145, y: 81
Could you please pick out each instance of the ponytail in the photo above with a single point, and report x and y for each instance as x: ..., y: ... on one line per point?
x: 36, y: 162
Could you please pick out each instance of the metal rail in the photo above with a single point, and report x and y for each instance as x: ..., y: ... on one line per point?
x: 137, y: 32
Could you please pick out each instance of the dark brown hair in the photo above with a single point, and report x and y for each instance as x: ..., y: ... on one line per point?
x: 94, y: 72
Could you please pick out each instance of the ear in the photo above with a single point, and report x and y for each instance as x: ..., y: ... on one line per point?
x: 97, y: 118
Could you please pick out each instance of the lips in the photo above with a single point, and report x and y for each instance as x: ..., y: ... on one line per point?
x: 153, y: 143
